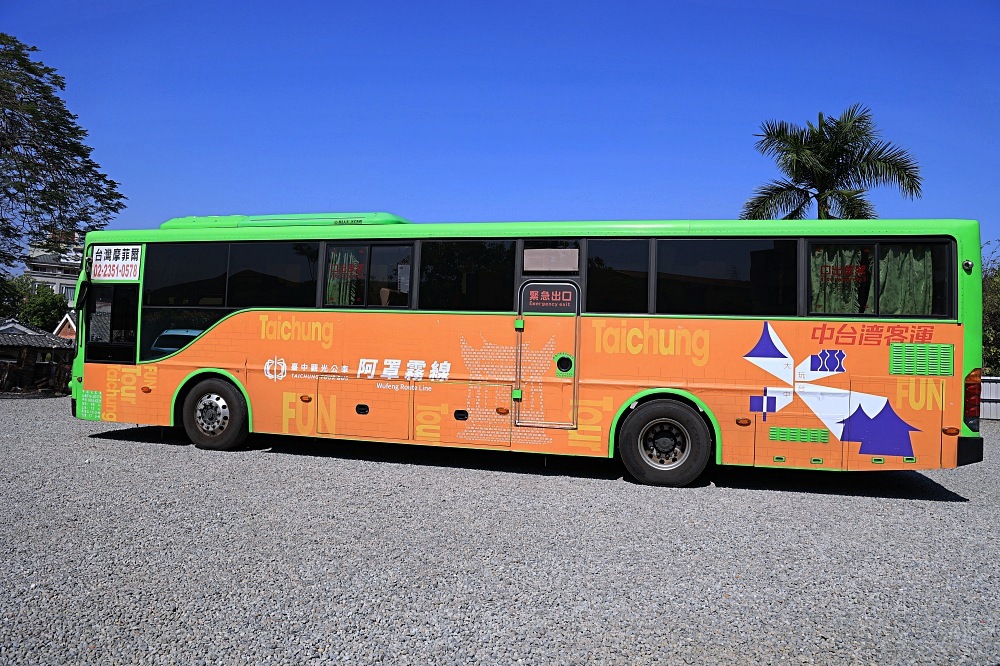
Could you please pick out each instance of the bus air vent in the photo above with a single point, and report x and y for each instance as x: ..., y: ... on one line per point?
x: 921, y: 359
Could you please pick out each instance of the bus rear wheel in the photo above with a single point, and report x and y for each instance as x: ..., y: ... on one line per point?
x: 215, y: 415
x: 665, y: 443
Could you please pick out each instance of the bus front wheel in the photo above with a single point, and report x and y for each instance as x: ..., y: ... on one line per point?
x: 665, y: 443
x: 215, y: 415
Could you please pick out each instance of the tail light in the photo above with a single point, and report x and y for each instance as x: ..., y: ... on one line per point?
x: 973, y: 392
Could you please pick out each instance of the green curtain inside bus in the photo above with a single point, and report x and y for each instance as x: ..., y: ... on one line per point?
x: 346, y: 276
x: 906, y: 279
x: 840, y: 278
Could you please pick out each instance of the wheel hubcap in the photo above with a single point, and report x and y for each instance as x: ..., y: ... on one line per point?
x: 212, y: 414
x: 664, y: 444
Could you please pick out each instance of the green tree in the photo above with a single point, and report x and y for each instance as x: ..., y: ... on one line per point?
x: 50, y: 189
x: 37, y: 306
x: 834, y: 163
x: 991, y: 311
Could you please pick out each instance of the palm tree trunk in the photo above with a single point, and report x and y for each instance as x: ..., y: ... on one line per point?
x: 823, y: 208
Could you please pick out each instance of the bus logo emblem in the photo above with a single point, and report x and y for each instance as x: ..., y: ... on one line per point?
x: 275, y: 369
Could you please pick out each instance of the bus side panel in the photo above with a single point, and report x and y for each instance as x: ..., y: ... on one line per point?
x: 463, y: 413
x: 815, y: 394
x: 369, y: 375
x: 124, y: 394
x: 867, y: 394
x: 621, y: 357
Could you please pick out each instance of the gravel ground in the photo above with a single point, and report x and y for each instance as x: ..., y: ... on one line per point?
x: 122, y: 545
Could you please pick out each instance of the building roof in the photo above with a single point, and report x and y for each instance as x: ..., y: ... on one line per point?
x: 68, y: 318
x: 45, y: 259
x: 69, y: 259
x: 15, y: 327
x: 16, y: 334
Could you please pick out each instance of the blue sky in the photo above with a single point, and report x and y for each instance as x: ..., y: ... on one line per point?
x: 456, y: 111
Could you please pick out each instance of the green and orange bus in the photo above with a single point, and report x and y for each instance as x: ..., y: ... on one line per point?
x: 835, y: 345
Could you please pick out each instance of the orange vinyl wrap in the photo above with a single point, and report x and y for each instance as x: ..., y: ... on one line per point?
x: 450, y: 379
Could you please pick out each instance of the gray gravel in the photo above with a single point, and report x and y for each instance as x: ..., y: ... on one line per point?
x: 122, y: 545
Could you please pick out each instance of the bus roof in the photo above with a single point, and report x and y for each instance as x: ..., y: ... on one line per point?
x: 307, y: 220
x: 384, y: 226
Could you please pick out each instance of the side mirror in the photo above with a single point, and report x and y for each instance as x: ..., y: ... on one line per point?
x: 81, y: 296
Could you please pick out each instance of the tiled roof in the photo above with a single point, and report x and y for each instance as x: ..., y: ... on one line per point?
x: 100, y: 326
x: 55, y: 259
x: 41, y: 341
x: 37, y: 338
x: 11, y: 322
x: 45, y: 259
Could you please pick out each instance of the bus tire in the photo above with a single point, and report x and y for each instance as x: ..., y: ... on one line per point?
x: 665, y: 443
x: 215, y: 415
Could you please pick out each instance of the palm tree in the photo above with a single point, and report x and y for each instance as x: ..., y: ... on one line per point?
x: 834, y: 162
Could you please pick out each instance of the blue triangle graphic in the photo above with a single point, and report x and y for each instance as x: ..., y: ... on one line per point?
x: 765, y: 347
x: 885, y: 434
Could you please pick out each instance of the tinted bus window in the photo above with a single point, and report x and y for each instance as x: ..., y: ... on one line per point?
x: 188, y: 274
x: 467, y: 275
x: 111, y: 323
x: 165, y: 330
x: 617, y: 276
x: 389, y: 276
x: 272, y: 274
x: 346, y: 268
x: 749, y: 276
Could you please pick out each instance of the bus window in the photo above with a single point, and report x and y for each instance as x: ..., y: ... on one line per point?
x: 173, y: 339
x: 617, y: 276
x: 160, y: 324
x: 841, y: 278
x: 726, y: 276
x: 467, y: 275
x: 345, y: 277
x: 551, y: 256
x: 185, y: 274
x: 111, y: 323
x: 272, y: 274
x: 389, y: 276
x: 912, y: 279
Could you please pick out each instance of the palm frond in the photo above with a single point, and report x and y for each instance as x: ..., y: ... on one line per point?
x: 855, y: 125
x: 791, y: 148
x: 799, y: 212
x: 884, y: 163
x: 851, y: 205
x: 777, y: 199
x: 775, y: 136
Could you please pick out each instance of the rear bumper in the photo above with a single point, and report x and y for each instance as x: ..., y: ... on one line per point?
x: 970, y: 450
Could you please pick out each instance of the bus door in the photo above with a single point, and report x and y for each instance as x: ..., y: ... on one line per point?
x: 548, y: 332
